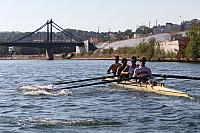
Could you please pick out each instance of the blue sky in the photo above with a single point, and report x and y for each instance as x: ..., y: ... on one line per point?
x: 27, y: 15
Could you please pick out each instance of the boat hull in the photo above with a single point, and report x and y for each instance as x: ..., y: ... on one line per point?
x: 158, y: 89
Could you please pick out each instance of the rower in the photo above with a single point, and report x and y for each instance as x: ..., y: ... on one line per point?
x: 133, y: 66
x: 143, y: 73
x: 114, y: 66
x: 122, y: 71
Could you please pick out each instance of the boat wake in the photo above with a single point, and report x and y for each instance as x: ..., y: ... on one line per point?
x: 37, y: 90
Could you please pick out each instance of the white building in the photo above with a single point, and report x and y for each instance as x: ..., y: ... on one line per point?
x: 170, y: 46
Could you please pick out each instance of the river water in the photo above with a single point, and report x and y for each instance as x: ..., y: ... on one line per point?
x: 26, y: 107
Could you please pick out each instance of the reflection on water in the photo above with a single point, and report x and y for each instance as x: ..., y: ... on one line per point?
x: 30, y: 103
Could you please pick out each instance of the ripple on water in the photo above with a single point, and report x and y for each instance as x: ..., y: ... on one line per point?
x: 36, y: 108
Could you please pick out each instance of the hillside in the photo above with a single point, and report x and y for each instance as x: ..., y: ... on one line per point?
x: 166, y: 41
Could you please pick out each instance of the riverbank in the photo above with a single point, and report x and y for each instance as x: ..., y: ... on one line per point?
x: 151, y: 60
x: 30, y: 57
x: 59, y: 57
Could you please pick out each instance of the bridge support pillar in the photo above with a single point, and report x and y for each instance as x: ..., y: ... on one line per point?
x: 84, y: 49
x: 49, y: 54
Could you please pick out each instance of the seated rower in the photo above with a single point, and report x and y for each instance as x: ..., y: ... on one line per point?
x: 122, y: 71
x: 133, y: 66
x: 143, y: 73
x: 114, y: 66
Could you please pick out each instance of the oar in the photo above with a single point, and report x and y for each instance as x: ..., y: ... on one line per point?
x: 97, y: 83
x: 176, y: 76
x: 82, y: 80
x: 89, y: 84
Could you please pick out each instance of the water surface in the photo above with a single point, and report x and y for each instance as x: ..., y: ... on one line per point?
x: 99, y: 109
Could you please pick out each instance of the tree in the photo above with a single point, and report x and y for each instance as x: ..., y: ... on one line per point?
x: 128, y: 33
x: 193, y: 48
x: 159, y: 53
x: 108, y: 51
x: 151, y: 48
x: 143, y: 30
x: 3, y: 50
x: 28, y: 50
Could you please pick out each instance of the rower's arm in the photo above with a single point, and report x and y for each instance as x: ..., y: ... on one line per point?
x: 150, y: 74
x: 135, y: 74
x: 109, y: 69
x: 119, y: 70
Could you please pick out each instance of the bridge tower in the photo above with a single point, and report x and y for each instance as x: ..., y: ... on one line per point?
x: 84, y: 48
x: 49, y: 51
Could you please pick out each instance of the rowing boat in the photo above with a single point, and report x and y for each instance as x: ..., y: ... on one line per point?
x: 158, y: 88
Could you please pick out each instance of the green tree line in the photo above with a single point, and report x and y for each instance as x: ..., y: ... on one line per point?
x: 193, y: 48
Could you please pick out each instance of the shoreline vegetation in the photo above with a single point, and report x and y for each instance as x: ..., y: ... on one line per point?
x: 150, y: 60
x: 59, y: 57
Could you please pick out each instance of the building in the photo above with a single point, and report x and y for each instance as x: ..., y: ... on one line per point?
x: 188, y: 24
x: 170, y: 46
x: 168, y: 28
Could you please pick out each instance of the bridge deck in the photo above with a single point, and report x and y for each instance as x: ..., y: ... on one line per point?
x: 43, y: 45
